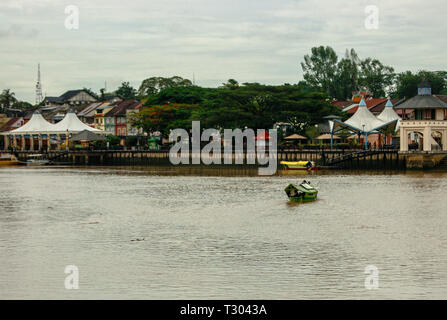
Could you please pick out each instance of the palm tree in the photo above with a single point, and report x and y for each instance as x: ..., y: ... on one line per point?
x: 6, y: 99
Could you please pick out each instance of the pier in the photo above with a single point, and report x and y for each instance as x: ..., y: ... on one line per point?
x: 345, y: 159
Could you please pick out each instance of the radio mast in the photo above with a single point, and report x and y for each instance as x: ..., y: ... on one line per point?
x: 39, y: 97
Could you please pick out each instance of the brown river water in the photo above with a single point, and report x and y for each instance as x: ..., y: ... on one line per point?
x: 220, y: 234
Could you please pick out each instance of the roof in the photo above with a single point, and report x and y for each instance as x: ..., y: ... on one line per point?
x: 423, y: 102
x: 441, y: 97
x: 381, y: 106
x: 66, y: 96
x: 9, y: 125
x: 89, y: 111
x: 122, y: 107
x: 371, y: 103
x: 295, y: 137
x: 327, y: 136
x: 341, y: 104
x: 388, y: 114
x: 363, y: 120
x: 70, y: 94
x: 36, y: 124
x: 87, y: 135
x: 71, y: 123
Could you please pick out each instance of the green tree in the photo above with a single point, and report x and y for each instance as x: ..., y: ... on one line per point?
x: 7, y: 98
x: 320, y: 69
x: 126, y: 91
x: 164, y: 118
x: 231, y: 84
x: 154, y: 85
x: 347, y: 75
x: 375, y: 76
x: 406, y: 83
x: 23, y: 105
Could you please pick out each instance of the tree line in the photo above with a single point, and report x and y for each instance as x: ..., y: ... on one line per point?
x: 339, y: 77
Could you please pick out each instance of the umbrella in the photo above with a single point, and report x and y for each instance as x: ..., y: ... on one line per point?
x: 295, y: 137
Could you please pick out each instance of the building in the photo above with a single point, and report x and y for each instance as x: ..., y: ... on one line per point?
x: 87, y: 115
x: 424, y: 121
x: 116, y: 120
x: 100, y: 113
x: 72, y: 98
x: 11, y: 123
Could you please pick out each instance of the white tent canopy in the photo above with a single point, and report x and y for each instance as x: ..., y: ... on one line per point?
x: 71, y: 123
x: 36, y: 124
x: 388, y: 114
x: 364, y: 121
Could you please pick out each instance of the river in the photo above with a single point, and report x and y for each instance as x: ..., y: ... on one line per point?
x: 202, y: 233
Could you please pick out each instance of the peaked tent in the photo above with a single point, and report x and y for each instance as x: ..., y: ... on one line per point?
x: 363, y: 122
x: 71, y: 123
x: 388, y: 114
x: 36, y: 124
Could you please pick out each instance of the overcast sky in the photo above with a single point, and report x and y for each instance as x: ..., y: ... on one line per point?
x: 248, y: 40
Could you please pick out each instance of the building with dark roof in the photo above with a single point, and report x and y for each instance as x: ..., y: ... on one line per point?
x: 116, y: 120
x: 71, y: 97
x: 424, y: 121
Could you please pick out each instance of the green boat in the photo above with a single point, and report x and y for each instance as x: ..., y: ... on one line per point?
x: 304, y: 192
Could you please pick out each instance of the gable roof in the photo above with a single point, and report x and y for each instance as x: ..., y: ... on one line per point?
x: 10, y: 124
x: 341, y: 104
x: 423, y: 102
x: 381, y: 106
x: 67, y: 96
x: 121, y: 108
x: 370, y: 103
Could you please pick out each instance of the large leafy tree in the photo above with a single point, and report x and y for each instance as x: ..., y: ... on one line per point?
x: 320, y: 69
x: 406, y: 83
x: 376, y: 76
x: 340, y: 78
x: 347, y: 75
x: 249, y: 105
x: 126, y: 91
x: 154, y: 85
x: 164, y: 118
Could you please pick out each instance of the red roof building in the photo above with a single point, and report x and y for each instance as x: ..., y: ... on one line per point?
x: 119, y: 113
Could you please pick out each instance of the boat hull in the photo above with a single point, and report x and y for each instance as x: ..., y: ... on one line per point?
x: 306, y: 198
x: 10, y: 163
x: 299, y: 165
x: 301, y: 193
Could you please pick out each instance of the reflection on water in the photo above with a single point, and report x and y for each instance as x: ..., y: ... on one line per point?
x: 220, y: 233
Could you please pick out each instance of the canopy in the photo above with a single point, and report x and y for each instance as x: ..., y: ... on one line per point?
x: 37, y: 123
x: 364, y: 121
x: 87, y: 135
x: 388, y: 114
x: 295, y: 137
x: 71, y: 123
x: 327, y: 136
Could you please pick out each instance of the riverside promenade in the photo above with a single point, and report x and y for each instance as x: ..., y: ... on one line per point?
x: 345, y: 159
